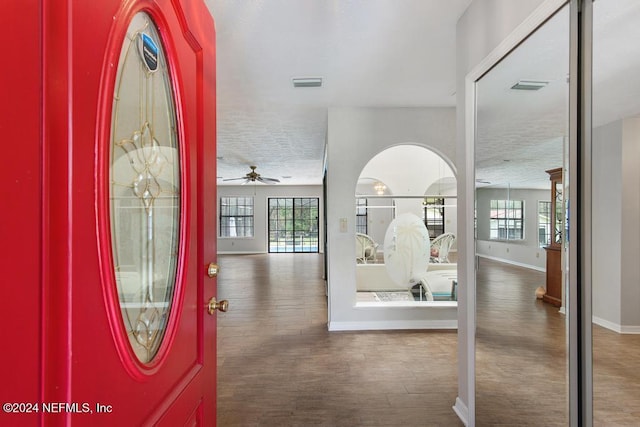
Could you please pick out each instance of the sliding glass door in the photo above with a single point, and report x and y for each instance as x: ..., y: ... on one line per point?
x: 293, y: 224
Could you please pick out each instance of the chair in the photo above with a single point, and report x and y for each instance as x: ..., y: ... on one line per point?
x: 440, y: 247
x: 366, y: 248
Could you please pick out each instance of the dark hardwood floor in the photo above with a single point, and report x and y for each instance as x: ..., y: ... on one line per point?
x: 521, y: 376
x: 521, y: 368
x: 616, y: 378
x: 279, y: 366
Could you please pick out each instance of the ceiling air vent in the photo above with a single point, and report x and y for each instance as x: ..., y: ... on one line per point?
x: 529, y: 85
x: 307, y: 82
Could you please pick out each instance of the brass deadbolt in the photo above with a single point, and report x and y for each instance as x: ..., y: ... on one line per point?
x: 212, y: 270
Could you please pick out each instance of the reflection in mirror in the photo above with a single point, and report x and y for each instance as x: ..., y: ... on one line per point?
x: 403, y: 180
x: 521, y: 132
x: 616, y: 213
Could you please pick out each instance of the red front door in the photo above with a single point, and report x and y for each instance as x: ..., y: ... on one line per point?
x: 115, y: 176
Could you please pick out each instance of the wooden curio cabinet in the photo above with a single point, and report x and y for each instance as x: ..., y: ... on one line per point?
x: 554, y: 249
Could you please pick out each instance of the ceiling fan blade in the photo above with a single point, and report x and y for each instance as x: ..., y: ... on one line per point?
x: 268, y: 180
x: 234, y: 179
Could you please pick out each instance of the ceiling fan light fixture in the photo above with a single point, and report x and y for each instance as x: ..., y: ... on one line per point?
x: 530, y: 85
x: 380, y: 188
x: 299, y: 82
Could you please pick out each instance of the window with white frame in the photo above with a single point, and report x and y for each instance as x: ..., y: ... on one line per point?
x: 544, y: 223
x: 506, y: 220
x: 433, y: 215
x: 361, y: 215
x: 236, y: 216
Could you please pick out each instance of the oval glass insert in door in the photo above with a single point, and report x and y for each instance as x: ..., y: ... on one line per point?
x: 144, y: 188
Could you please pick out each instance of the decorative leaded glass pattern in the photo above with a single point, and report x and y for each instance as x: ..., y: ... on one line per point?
x: 144, y: 187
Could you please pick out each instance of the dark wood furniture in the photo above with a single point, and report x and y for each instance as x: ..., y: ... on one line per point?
x: 554, y: 249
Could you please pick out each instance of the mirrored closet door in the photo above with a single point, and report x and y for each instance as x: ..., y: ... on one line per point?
x: 520, y: 144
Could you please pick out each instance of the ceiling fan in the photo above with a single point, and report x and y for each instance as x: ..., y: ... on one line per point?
x: 254, y: 176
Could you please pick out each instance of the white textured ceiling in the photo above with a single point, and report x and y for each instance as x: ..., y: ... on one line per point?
x: 521, y: 133
x: 400, y: 53
x: 368, y: 52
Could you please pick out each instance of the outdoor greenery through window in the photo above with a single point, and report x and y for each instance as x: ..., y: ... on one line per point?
x: 361, y: 215
x: 433, y: 215
x: 506, y: 220
x: 544, y: 223
x: 236, y: 216
x: 293, y: 224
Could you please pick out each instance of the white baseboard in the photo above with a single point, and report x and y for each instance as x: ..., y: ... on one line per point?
x: 393, y: 324
x: 519, y: 264
x: 462, y: 411
x: 631, y: 330
x: 621, y: 329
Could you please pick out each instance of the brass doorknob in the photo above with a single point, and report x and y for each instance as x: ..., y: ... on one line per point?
x: 212, y: 270
x: 215, y: 305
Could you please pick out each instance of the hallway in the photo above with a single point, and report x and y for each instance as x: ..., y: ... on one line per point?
x: 279, y: 366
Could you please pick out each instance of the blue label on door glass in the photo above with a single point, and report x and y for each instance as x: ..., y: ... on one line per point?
x: 149, y: 52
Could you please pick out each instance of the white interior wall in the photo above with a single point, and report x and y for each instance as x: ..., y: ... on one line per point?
x: 451, y: 219
x: 606, y: 230
x: 416, y: 170
x: 630, y: 250
x: 356, y: 135
x: 616, y: 229
x: 379, y: 219
x: 261, y: 193
x: 484, y: 28
x: 526, y: 252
